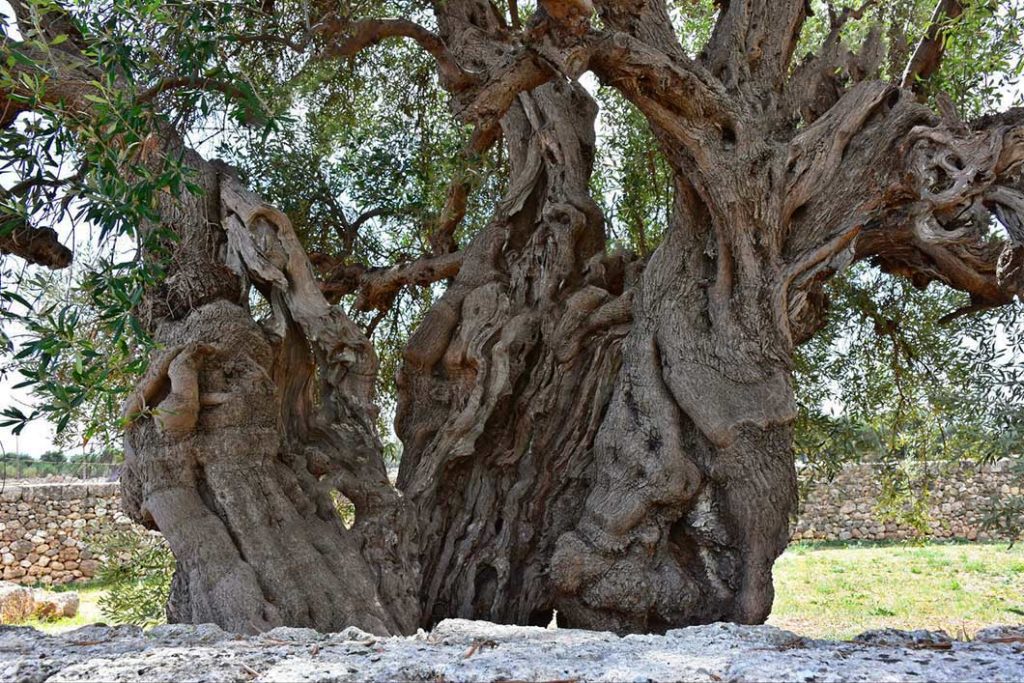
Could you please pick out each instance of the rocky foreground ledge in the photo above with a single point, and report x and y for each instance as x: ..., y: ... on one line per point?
x: 458, y: 650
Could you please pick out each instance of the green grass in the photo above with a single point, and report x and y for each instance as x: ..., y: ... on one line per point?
x: 838, y: 591
x: 89, y: 595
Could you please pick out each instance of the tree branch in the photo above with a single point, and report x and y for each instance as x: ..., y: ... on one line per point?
x: 53, y: 21
x: 491, y: 100
x: 928, y: 55
x: 346, y: 39
x: 376, y: 288
x: 367, y: 215
x: 36, y: 245
x: 881, y: 177
x: 819, y: 81
x: 753, y: 41
x: 674, y: 93
x: 442, y: 237
x: 646, y: 20
x: 224, y: 87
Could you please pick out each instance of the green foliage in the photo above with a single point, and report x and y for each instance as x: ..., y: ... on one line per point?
x: 694, y: 20
x: 53, y: 456
x: 79, y: 344
x: 984, y: 49
x: 631, y: 179
x: 888, y: 380
x: 137, y: 574
x: 984, y: 58
x: 79, y: 350
x: 345, y: 509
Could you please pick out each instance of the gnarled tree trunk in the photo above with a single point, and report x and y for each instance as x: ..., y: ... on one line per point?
x: 506, y: 380
x: 244, y: 431
x: 583, y: 431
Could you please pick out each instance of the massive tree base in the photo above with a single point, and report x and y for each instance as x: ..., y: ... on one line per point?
x: 584, y: 430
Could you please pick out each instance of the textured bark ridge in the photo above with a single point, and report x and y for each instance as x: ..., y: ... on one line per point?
x: 506, y: 380
x: 244, y: 431
x: 693, y: 481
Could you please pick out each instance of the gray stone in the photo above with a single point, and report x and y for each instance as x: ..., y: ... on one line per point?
x: 353, y: 634
x: 291, y: 634
x: 97, y: 634
x: 458, y: 650
x: 893, y: 637
x: 189, y: 633
x: 1001, y: 634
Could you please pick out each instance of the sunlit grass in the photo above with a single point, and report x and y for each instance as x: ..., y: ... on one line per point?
x: 838, y: 591
x: 88, y: 610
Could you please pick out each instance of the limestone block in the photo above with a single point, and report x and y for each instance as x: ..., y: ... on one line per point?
x: 56, y: 605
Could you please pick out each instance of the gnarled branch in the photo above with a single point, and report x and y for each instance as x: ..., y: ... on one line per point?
x: 346, y: 39
x: 754, y: 40
x: 820, y: 80
x: 674, y: 93
x: 927, y: 218
x: 376, y: 288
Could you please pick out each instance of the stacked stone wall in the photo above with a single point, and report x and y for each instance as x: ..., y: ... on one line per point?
x: 847, y: 508
x: 49, y: 533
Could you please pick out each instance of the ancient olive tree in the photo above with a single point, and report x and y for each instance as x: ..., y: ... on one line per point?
x: 584, y: 429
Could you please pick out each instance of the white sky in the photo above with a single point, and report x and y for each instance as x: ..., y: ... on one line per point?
x: 38, y: 435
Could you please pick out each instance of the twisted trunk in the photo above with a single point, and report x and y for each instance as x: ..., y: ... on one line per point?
x: 617, y: 448
x: 243, y: 433
x: 506, y: 380
x: 694, y: 479
x: 581, y: 438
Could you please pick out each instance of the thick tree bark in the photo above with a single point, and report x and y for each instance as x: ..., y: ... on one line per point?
x: 244, y: 431
x: 519, y: 401
x: 694, y: 480
x: 506, y: 380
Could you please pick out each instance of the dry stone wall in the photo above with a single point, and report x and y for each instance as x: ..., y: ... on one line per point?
x: 49, y: 532
x: 846, y: 508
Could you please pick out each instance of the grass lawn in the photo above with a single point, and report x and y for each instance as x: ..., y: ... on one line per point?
x: 837, y: 591
x: 88, y: 610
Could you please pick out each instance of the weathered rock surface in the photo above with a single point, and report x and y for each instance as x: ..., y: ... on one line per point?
x: 55, y: 605
x: 458, y: 650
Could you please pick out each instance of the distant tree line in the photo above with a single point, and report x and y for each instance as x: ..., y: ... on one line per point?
x: 97, y: 464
